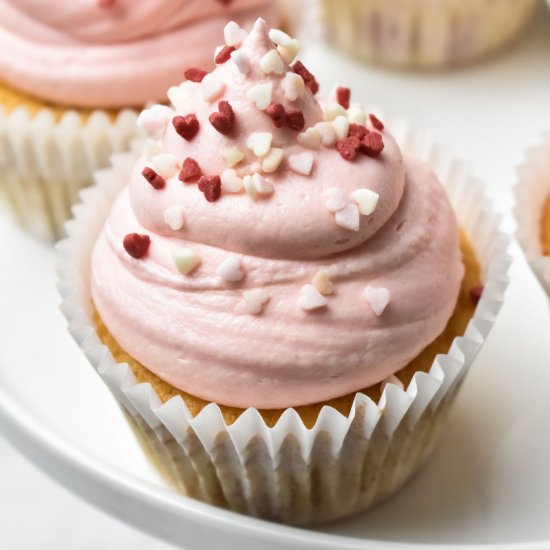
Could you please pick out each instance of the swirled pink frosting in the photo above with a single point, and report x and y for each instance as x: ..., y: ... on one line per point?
x: 83, y: 55
x: 194, y: 330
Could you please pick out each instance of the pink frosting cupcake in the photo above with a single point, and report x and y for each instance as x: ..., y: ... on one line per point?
x: 279, y: 256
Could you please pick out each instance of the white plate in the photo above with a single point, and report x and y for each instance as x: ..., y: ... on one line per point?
x: 489, y: 482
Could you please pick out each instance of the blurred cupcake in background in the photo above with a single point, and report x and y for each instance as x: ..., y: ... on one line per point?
x: 427, y: 34
x: 532, y: 210
x: 71, y: 74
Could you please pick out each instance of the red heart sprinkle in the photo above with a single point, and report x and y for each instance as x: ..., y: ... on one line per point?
x: 277, y: 113
x: 348, y: 147
x: 225, y: 2
x: 376, y: 122
x: 224, y: 120
x: 194, y: 75
x: 211, y: 186
x: 309, y: 79
x: 224, y: 54
x: 295, y: 120
x: 343, y: 96
x: 476, y: 293
x: 190, y: 171
x: 187, y: 126
x: 372, y: 144
x: 357, y: 130
x: 158, y: 182
x: 136, y: 245
x: 105, y: 3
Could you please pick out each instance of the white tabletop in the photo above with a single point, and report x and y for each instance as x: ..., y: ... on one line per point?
x: 488, y: 113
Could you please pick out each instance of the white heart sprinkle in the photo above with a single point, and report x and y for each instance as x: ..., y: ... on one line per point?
x: 271, y: 62
x: 165, y: 164
x: 356, y: 115
x: 332, y: 110
x: 377, y: 298
x: 289, y: 52
x: 217, y: 51
x: 341, y: 127
x: 255, y: 300
x: 232, y: 156
x: 154, y: 118
x: 174, y: 217
x: 327, y: 133
x: 231, y: 182
x: 259, y: 143
x: 212, y: 87
x: 311, y: 298
x: 293, y: 86
x: 233, y: 34
x: 366, y: 200
x: 321, y: 281
x: 180, y: 97
x: 230, y: 270
x: 348, y: 217
x: 336, y: 199
x: 260, y: 95
x: 241, y: 61
x: 151, y: 149
x: 310, y: 138
x: 301, y: 163
x: 262, y: 185
x: 280, y: 38
x: 272, y: 160
x: 186, y: 260
x: 391, y: 379
x: 249, y: 187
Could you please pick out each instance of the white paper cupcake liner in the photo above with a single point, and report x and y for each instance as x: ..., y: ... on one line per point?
x: 44, y: 163
x: 290, y: 473
x: 423, y: 33
x: 531, y: 191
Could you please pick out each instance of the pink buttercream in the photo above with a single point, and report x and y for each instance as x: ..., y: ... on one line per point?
x: 194, y: 332
x: 80, y: 54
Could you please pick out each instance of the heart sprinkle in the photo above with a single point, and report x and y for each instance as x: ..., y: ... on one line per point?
x: 309, y: 79
x: 194, y: 75
x: 190, y: 171
x: 186, y: 260
x: 136, y: 245
x: 232, y: 156
x: 348, y: 217
x: 376, y: 122
x: 231, y: 270
x: 259, y: 143
x: 301, y: 163
x: 224, y: 54
x: 211, y: 186
x: 241, y: 61
x: 277, y: 113
x: 153, y: 178
x: 366, y: 200
x: 343, y: 96
x: 348, y: 147
x: 311, y: 299
x: 186, y: 126
x: 377, y: 298
x: 255, y: 300
x: 295, y: 120
x: 174, y: 217
x: 260, y: 95
x: 321, y: 281
x: 224, y: 120
x: 233, y: 34
x: 372, y: 144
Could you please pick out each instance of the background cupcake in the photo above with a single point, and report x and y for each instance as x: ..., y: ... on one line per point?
x: 425, y: 33
x: 272, y: 277
x: 533, y: 210
x: 70, y: 75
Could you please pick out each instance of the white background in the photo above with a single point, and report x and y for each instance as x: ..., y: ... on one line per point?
x: 488, y: 113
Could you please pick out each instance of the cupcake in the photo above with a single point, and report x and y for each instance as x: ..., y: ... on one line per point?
x: 277, y: 294
x: 71, y: 75
x: 425, y: 33
x: 533, y: 210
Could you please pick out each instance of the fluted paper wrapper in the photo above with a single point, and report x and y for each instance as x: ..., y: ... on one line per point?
x: 289, y: 473
x: 44, y: 163
x: 531, y: 191
x: 423, y: 33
